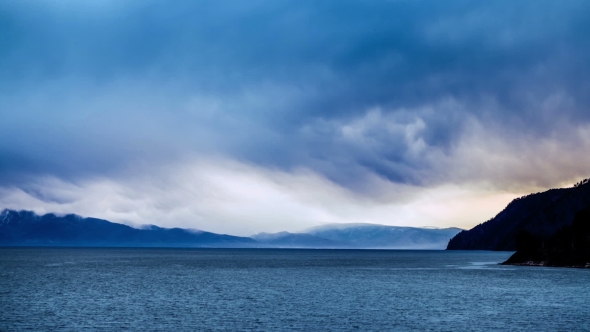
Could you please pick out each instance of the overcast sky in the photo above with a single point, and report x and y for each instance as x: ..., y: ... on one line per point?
x: 267, y: 115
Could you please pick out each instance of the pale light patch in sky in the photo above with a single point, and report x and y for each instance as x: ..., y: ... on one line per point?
x: 528, y: 165
x: 275, y: 115
x: 225, y: 196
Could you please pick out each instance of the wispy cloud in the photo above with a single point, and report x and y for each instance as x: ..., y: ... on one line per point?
x: 229, y: 197
x: 347, y: 99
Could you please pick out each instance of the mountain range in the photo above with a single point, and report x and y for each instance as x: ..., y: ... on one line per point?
x: 25, y: 228
x: 541, y: 215
x: 367, y: 236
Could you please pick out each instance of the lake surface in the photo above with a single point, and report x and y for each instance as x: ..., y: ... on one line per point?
x: 77, y: 289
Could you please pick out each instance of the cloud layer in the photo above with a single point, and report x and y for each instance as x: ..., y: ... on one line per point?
x: 352, y: 100
x: 229, y: 197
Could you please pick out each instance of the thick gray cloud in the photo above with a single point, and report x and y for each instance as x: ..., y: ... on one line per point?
x: 424, y: 93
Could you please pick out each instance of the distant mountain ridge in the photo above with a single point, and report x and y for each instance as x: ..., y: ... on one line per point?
x: 25, y: 228
x: 540, y: 214
x: 386, y: 237
x: 296, y: 240
x: 367, y: 236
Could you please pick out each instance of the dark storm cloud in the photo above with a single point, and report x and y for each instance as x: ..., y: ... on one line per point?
x: 341, y: 87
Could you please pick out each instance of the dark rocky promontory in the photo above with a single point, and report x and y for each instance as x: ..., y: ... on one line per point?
x: 569, y: 247
x: 541, y: 215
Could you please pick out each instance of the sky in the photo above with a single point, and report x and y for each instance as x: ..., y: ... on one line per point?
x: 254, y: 116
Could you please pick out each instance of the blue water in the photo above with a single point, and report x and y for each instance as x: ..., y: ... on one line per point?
x: 44, y: 289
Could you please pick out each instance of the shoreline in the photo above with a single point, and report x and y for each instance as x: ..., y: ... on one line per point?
x: 545, y: 264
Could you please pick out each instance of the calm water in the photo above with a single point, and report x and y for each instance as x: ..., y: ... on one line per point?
x: 305, y: 290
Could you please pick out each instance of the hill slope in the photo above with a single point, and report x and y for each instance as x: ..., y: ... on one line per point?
x: 25, y: 228
x: 296, y: 240
x: 385, y: 237
x: 569, y: 247
x: 540, y: 214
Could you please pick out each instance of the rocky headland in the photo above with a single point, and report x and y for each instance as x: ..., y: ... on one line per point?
x: 541, y: 215
x: 568, y: 247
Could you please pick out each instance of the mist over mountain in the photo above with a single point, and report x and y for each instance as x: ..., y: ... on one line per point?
x: 25, y: 228
x: 365, y: 236
x: 386, y: 237
x: 541, y: 215
x: 297, y: 240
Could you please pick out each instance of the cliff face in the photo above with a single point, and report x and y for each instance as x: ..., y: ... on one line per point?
x: 540, y: 214
x: 569, y: 247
